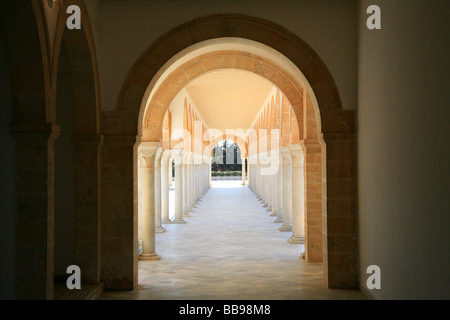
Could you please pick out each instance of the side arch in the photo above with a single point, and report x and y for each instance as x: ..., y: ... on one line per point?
x: 33, y: 53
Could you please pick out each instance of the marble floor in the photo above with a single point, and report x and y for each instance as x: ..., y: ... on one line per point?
x: 229, y: 249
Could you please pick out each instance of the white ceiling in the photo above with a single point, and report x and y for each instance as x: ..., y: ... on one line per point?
x: 229, y: 98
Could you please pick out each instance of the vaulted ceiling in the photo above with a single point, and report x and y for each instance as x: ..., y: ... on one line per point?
x: 229, y: 98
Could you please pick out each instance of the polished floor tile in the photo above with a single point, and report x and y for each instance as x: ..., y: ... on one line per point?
x: 229, y: 249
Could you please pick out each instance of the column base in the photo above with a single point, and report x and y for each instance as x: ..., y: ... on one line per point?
x: 278, y: 220
x: 285, y: 228
x: 186, y: 215
x: 148, y: 257
x: 269, y: 208
x: 178, y: 221
x: 273, y: 214
x: 160, y: 230
x: 296, y: 240
x: 166, y: 221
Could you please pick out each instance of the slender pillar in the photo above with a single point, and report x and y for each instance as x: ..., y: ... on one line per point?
x: 165, y: 187
x: 178, y: 157
x: 148, y: 210
x: 158, y: 225
x: 287, y: 190
x: 298, y: 195
x: 243, y: 171
x: 273, y: 183
x: 268, y: 185
x: 189, y: 184
x: 249, y: 175
x: 170, y: 173
x: 210, y: 172
x: 193, y: 182
x: 260, y: 183
x: 264, y: 187
x: 185, y: 186
x: 280, y: 191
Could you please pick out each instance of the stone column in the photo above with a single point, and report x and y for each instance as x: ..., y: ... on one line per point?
x: 243, y: 171
x: 165, y: 187
x: 287, y: 190
x: 273, y: 181
x: 178, y: 158
x: 264, y: 187
x: 298, y: 195
x: 267, y: 184
x: 158, y: 226
x: 35, y: 223
x: 194, y: 182
x: 188, y: 182
x: 249, y: 169
x: 280, y: 192
x: 87, y: 234
x: 148, y: 208
x: 259, y: 182
x: 210, y: 172
x: 185, y: 185
x: 191, y: 183
x: 170, y: 173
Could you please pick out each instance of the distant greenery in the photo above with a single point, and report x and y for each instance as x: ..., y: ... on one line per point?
x: 225, y: 158
x: 226, y: 173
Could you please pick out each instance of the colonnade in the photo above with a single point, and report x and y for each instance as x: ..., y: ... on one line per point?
x: 192, y: 180
x: 277, y: 179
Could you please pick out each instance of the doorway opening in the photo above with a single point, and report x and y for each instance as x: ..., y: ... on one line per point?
x: 310, y: 90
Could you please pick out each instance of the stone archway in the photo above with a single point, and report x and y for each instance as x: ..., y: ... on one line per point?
x: 79, y: 48
x: 34, y: 54
x: 337, y: 129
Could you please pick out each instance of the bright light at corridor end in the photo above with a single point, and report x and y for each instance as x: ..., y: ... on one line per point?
x: 260, y: 151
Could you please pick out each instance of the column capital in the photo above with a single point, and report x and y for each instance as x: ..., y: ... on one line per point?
x: 158, y: 155
x: 286, y: 155
x: 178, y: 155
x: 147, y: 153
x: 165, y: 158
x: 297, y: 154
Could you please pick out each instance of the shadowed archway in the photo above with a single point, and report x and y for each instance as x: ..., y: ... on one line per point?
x: 336, y: 128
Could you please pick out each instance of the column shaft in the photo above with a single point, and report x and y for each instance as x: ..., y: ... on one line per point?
x: 158, y: 226
x: 287, y: 198
x: 178, y: 194
x: 165, y: 192
x: 148, y: 211
x: 298, y: 214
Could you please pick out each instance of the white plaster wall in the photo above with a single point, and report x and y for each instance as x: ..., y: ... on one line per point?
x: 177, y: 109
x: 127, y: 28
x: 404, y: 149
